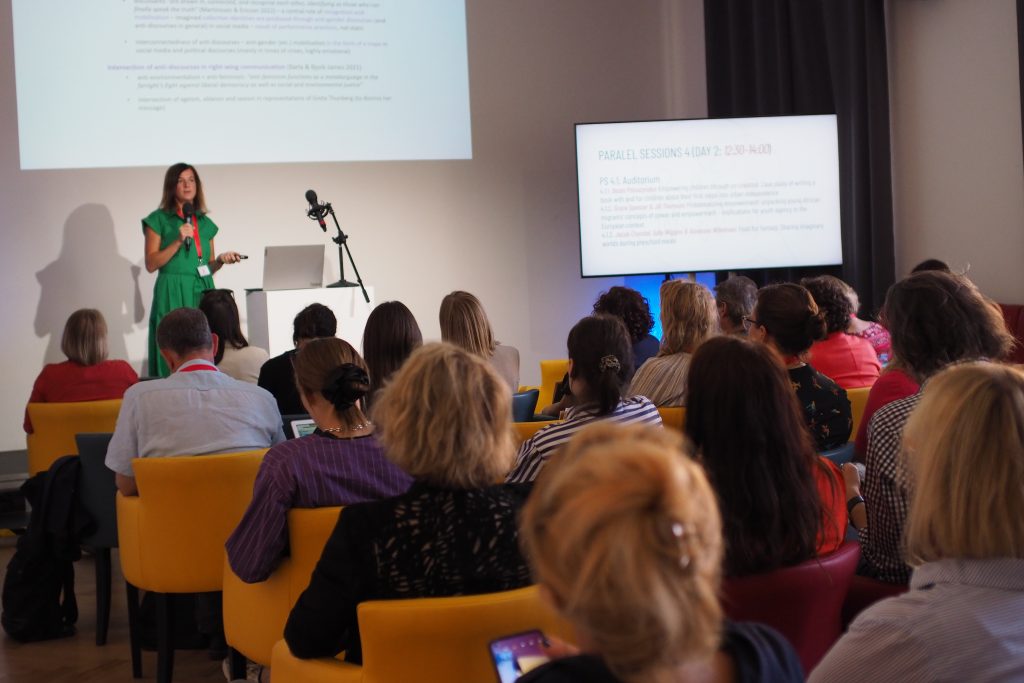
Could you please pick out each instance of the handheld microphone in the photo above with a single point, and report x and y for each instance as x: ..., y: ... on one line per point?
x: 315, y: 209
x: 186, y: 212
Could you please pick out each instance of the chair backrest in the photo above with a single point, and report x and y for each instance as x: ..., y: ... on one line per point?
x: 97, y: 490
x: 804, y: 603
x: 172, y: 534
x: 527, y: 429
x: 255, y: 613
x: 858, y: 399
x: 54, y: 426
x: 551, y: 373
x: 446, y: 639
x: 524, y: 405
x: 673, y: 417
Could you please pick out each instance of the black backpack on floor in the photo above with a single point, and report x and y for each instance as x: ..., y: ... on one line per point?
x: 42, y: 569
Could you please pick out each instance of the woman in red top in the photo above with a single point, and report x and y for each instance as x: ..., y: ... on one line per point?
x: 87, y: 375
x: 781, y: 503
x: 850, y: 361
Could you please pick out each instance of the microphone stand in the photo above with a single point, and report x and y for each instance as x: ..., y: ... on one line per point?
x: 341, y: 239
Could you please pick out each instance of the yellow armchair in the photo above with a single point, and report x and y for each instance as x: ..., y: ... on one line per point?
x: 551, y: 373
x: 524, y: 430
x: 428, y: 640
x: 255, y: 613
x: 172, y: 535
x: 673, y: 417
x: 54, y: 427
x: 858, y: 400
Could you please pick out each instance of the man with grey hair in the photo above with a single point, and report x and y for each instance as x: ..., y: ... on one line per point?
x: 197, y: 410
x: 736, y: 296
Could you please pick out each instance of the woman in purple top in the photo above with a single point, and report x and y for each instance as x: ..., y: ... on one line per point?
x: 339, y: 464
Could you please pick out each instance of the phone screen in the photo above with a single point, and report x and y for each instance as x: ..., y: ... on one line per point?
x: 518, y: 654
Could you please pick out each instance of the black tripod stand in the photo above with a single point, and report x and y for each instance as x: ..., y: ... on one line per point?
x: 341, y: 239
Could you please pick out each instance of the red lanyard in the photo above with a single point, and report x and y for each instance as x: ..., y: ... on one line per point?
x: 198, y: 367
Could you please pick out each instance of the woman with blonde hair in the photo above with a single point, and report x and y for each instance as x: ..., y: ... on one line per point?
x: 623, y: 535
x: 689, y: 316
x: 452, y: 533
x: 963, y: 462
x: 86, y: 375
x: 341, y: 463
x: 464, y: 323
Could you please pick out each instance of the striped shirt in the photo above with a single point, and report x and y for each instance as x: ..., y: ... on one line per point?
x: 960, y: 621
x: 885, y: 493
x: 536, y: 450
x: 314, y: 471
x: 662, y: 379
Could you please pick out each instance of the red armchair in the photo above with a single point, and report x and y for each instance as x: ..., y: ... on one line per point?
x: 804, y: 603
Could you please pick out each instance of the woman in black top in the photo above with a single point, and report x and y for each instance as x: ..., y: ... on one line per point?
x: 452, y: 533
x: 623, y: 534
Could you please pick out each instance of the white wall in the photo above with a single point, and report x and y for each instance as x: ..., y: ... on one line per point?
x: 502, y: 225
x: 958, y: 174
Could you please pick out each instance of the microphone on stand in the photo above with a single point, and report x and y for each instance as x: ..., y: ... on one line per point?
x: 186, y: 212
x: 316, y: 210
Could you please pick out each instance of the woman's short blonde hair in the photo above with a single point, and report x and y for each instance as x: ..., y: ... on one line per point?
x: 964, y: 449
x: 623, y: 528
x: 445, y: 417
x: 85, y: 337
x: 464, y: 323
x: 688, y: 316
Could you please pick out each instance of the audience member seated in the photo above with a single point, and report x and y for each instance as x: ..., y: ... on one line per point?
x: 894, y: 383
x: 623, y: 534
x: 339, y: 464
x: 86, y: 375
x: 849, y: 360
x: 276, y: 376
x: 735, y: 297
x: 935, y: 319
x: 633, y: 309
x: 961, y: 619
x: 688, y: 317
x: 600, y: 361
x: 390, y: 335
x: 235, y: 357
x: 781, y: 503
x: 464, y: 323
x: 787, y: 319
x: 197, y: 410
x: 875, y: 333
x: 453, y: 533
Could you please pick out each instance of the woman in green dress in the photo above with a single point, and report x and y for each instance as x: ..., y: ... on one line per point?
x: 186, y: 269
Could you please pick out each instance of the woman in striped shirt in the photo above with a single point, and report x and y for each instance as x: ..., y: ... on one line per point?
x: 600, y: 364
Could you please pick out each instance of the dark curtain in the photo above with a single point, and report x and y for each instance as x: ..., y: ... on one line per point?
x: 777, y: 57
x: 1020, y: 56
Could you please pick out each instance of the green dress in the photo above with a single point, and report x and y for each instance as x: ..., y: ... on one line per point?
x: 178, y: 284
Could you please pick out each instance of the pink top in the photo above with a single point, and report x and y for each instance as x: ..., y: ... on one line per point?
x: 891, y: 386
x: 879, y: 338
x: 69, y: 382
x: 848, y: 360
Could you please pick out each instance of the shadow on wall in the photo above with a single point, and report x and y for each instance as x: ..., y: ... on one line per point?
x: 89, y: 273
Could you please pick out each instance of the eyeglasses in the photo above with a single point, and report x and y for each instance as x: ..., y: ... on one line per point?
x: 749, y: 322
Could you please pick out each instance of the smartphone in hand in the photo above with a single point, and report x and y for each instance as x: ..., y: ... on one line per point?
x: 518, y: 654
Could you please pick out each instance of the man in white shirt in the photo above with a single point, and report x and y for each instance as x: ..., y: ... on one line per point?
x: 197, y: 410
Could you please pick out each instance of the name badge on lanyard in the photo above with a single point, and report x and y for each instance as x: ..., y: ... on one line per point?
x: 204, y: 270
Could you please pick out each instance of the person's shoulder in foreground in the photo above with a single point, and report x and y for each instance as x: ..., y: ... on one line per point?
x: 757, y: 654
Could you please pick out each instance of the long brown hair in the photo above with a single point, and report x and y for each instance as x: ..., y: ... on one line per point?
x: 464, y: 323
x: 391, y: 334
x: 746, y: 424
x: 168, y: 202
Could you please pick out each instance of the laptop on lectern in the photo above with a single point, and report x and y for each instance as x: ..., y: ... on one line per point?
x: 293, y: 267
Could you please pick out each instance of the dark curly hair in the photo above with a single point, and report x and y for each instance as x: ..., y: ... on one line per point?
x: 631, y: 307
x: 829, y: 293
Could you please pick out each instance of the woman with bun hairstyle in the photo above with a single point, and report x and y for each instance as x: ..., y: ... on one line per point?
x: 342, y: 462
x: 787, y: 319
x: 623, y: 535
x: 781, y: 502
x: 848, y: 359
x: 600, y: 365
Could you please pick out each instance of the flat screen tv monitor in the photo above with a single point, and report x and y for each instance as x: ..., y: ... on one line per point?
x: 708, y: 194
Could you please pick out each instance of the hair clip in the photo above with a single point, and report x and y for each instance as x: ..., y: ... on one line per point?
x: 610, y: 362
x: 679, y: 531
